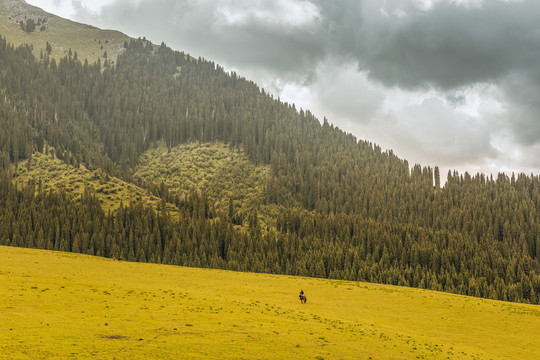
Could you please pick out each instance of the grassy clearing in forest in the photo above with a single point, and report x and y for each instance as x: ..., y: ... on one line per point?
x: 62, y: 305
x: 55, y: 174
x: 223, y: 173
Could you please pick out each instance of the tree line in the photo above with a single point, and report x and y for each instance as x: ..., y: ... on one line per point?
x: 336, y: 246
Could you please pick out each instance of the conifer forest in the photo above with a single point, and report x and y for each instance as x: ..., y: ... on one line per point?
x: 331, y: 206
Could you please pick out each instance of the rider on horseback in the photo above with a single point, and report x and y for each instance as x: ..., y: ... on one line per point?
x: 302, y: 296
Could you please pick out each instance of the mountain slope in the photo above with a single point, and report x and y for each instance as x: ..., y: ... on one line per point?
x: 337, y: 207
x: 75, y: 306
x: 89, y: 42
x: 51, y: 174
x: 223, y: 174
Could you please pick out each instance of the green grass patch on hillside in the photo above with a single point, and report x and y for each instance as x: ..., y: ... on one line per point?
x: 55, y: 174
x: 223, y: 173
x: 63, y: 305
x: 89, y: 42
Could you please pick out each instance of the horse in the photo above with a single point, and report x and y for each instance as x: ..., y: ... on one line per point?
x: 303, y: 298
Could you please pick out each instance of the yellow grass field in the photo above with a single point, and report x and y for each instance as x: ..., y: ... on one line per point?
x: 57, y: 305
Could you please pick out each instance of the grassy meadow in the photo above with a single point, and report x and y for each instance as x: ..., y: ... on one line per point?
x: 89, y: 42
x: 223, y: 173
x: 69, y: 306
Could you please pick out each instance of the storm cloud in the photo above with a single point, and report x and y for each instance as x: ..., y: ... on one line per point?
x: 441, y: 82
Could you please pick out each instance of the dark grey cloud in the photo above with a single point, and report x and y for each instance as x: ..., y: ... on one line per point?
x: 523, y: 100
x: 239, y: 33
x: 455, y: 80
x: 449, y: 45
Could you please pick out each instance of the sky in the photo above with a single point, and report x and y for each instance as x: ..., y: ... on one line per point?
x: 448, y: 83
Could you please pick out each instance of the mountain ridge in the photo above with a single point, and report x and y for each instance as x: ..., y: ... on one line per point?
x: 61, y: 34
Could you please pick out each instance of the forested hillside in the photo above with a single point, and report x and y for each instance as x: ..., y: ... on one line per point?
x: 338, y: 207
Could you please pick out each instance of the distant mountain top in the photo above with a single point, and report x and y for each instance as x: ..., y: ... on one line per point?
x: 22, y: 23
x: 18, y: 10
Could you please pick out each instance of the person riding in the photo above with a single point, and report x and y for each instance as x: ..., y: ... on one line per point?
x: 303, y: 298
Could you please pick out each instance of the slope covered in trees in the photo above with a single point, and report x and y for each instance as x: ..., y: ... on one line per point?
x: 342, y: 208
